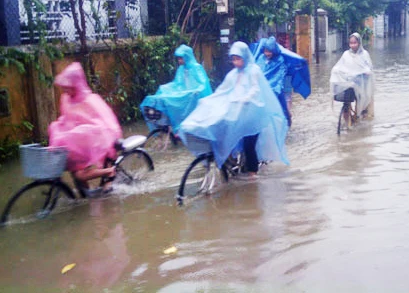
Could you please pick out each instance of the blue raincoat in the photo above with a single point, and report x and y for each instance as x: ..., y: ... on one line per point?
x: 178, y: 98
x: 284, y: 62
x: 241, y: 106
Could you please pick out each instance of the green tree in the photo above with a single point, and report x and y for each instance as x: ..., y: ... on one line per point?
x: 343, y: 13
x: 250, y: 14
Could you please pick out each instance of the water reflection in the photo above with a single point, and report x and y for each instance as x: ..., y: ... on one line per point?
x: 99, y: 249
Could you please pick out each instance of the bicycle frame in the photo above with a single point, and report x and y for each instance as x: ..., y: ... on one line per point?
x: 53, y: 187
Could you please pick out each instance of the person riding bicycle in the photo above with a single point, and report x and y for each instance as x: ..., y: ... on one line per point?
x: 354, y: 70
x: 240, y: 108
x: 178, y: 98
x: 284, y: 71
x: 87, y: 127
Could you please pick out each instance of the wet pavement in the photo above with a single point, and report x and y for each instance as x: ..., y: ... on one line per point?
x: 335, y: 220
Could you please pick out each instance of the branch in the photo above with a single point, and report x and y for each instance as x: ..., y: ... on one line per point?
x: 181, y: 11
x: 187, y: 17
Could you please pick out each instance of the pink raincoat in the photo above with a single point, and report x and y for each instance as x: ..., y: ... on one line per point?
x: 87, y: 127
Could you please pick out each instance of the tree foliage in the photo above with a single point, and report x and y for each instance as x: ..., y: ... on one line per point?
x: 250, y: 14
x: 343, y: 13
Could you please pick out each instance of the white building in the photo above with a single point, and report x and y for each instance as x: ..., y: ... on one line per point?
x: 104, y: 19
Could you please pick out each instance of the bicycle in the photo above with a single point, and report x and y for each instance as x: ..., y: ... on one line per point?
x: 46, y: 165
x: 158, y: 138
x: 202, y: 176
x: 348, y: 115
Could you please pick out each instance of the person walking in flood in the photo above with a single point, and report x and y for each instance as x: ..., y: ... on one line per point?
x: 284, y: 70
x: 354, y: 70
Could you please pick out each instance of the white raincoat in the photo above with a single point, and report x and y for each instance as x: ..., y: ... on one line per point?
x: 354, y: 70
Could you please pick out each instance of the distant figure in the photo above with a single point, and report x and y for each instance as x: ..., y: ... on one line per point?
x: 87, y: 127
x: 243, y: 109
x: 355, y: 70
x: 178, y: 98
x: 284, y: 71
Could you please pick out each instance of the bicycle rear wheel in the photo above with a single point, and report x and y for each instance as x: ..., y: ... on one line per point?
x: 201, y: 177
x: 35, y: 200
x: 160, y: 139
x: 134, y: 165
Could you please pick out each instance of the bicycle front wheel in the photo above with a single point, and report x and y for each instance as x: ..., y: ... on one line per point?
x: 134, y: 166
x: 160, y: 139
x: 201, y: 177
x: 35, y: 201
x: 344, y: 120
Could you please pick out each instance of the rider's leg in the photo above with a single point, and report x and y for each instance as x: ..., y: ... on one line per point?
x: 288, y: 91
x: 370, y: 112
x: 89, y: 173
x: 289, y: 100
x: 347, y: 115
x: 249, y: 145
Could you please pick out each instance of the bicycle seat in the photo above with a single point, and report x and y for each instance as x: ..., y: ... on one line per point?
x: 130, y: 143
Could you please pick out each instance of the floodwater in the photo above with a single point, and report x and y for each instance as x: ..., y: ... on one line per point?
x: 333, y: 221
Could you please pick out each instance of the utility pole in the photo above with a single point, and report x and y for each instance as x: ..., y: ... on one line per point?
x: 225, y: 10
x: 316, y: 37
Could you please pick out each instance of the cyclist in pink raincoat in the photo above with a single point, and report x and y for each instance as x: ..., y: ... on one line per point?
x: 87, y: 127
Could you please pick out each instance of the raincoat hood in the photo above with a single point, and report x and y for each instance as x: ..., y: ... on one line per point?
x: 73, y: 76
x: 359, y: 39
x: 272, y: 46
x: 187, y: 54
x: 242, y: 50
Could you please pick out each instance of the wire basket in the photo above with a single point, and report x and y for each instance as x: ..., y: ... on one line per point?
x: 198, y: 145
x: 347, y: 96
x: 43, y: 162
x: 156, y: 116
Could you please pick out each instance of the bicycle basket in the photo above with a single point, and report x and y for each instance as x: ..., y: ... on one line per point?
x: 347, y: 96
x: 43, y: 162
x: 198, y: 145
x: 152, y: 114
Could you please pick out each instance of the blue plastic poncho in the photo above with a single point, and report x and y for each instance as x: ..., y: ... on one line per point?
x: 297, y: 66
x: 178, y: 98
x: 241, y: 106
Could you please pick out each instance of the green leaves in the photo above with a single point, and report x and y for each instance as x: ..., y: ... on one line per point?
x: 249, y: 14
x: 11, y: 56
x: 342, y: 12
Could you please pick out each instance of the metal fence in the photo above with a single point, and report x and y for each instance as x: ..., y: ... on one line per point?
x: 25, y: 21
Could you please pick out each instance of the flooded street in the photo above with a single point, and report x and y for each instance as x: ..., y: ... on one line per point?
x: 335, y: 220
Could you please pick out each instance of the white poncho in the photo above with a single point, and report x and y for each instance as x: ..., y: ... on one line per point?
x: 354, y: 70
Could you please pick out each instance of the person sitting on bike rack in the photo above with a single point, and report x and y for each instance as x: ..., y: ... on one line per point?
x: 240, y: 108
x: 176, y: 99
x: 354, y: 70
x: 284, y: 71
x: 87, y: 127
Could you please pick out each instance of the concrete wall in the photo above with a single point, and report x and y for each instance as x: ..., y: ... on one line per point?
x: 334, y: 41
x: 31, y: 100
x: 303, y: 32
x: 379, y: 26
x: 20, y: 104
